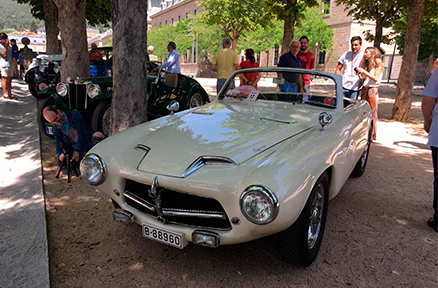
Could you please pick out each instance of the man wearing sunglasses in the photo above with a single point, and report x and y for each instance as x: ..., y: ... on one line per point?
x: 69, y: 127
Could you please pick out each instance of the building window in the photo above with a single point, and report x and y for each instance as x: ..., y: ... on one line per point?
x: 194, y: 13
x: 179, y: 18
x: 187, y: 15
x: 326, y: 7
x: 321, y: 57
x: 165, y: 22
x: 172, y: 21
x: 276, y: 50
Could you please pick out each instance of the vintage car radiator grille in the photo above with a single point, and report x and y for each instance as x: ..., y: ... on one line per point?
x: 177, y: 207
x: 77, y: 96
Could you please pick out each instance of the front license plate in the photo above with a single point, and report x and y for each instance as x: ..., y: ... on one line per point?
x: 167, y: 237
x: 49, y: 130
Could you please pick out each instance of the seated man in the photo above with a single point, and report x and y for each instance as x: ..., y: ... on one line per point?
x: 70, y: 128
x: 95, y: 55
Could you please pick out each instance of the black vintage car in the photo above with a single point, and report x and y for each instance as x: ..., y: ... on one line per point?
x: 45, y: 69
x: 92, y: 97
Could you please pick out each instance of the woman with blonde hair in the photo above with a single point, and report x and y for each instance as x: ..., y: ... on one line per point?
x: 372, y: 76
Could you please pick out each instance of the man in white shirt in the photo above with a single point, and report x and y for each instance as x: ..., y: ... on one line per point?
x: 429, y: 107
x: 173, y: 63
x: 347, y: 64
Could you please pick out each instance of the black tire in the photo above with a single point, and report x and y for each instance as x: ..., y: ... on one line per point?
x: 42, y: 123
x: 359, y: 169
x: 196, y: 99
x: 101, y: 120
x: 295, y: 243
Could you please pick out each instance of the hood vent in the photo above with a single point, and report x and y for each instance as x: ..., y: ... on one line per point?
x: 142, y: 148
x: 208, y: 160
x: 278, y: 121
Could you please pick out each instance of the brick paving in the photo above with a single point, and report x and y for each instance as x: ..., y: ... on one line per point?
x: 24, y: 258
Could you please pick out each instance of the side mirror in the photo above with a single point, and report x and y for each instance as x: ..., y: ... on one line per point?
x: 324, y: 119
x: 173, y: 107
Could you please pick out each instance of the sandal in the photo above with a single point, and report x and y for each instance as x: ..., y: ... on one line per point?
x: 12, y: 97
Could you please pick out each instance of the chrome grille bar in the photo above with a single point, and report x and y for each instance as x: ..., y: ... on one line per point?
x: 138, y: 200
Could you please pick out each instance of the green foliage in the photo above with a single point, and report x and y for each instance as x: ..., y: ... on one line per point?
x: 313, y: 26
x: 383, y: 12
x: 16, y: 16
x: 429, y: 31
x: 263, y: 39
x: 289, y: 9
x: 33, y: 26
x: 235, y: 17
x: 182, y: 34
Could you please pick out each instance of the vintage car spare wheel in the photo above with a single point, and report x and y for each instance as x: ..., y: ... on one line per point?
x: 101, y: 120
x: 300, y: 242
x: 42, y: 123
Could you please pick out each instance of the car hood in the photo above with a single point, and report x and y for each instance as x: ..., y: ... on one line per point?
x: 223, y: 132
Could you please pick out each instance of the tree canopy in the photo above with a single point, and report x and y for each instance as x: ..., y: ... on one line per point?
x: 235, y: 17
x: 383, y: 12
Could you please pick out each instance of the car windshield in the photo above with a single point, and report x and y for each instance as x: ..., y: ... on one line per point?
x: 279, y: 84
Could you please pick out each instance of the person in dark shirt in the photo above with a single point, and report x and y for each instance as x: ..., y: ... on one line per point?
x: 294, y: 81
x: 15, y: 56
x: 69, y: 127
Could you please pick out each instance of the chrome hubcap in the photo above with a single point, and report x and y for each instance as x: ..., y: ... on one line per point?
x: 316, y: 213
x: 196, y: 100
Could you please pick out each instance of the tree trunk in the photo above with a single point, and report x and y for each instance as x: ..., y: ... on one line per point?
x: 378, y: 33
x: 52, y: 30
x: 405, y: 83
x: 71, y: 16
x: 287, y: 36
x: 289, y: 26
x: 129, y: 102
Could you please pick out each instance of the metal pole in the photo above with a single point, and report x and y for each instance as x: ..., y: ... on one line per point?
x: 193, y: 49
x: 196, y: 58
x: 390, y: 65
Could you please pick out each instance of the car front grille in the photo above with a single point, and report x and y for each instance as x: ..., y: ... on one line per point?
x: 77, y: 96
x: 177, y: 207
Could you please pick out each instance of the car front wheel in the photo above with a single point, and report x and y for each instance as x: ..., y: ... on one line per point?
x: 300, y: 242
x: 101, y: 120
x: 359, y: 169
x: 196, y: 99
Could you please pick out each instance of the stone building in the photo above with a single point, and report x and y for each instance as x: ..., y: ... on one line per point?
x: 172, y: 11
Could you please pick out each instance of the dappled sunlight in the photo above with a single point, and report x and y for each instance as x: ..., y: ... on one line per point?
x: 6, y: 204
x: 17, y: 165
x: 59, y: 201
x: 396, y: 220
x: 136, y: 267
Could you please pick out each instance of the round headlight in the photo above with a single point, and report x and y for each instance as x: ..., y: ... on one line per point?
x: 61, y: 89
x: 93, y: 169
x: 259, y: 205
x: 56, y: 67
x: 93, y: 90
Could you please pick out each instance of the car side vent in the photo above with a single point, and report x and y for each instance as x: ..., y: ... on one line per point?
x: 208, y: 160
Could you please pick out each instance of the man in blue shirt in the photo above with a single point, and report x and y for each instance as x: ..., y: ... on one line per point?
x: 294, y: 81
x: 69, y: 127
x: 429, y: 107
x: 172, y: 63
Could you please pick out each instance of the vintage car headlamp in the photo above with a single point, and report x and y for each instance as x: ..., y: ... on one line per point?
x: 259, y: 205
x: 93, y: 169
x: 93, y: 90
x: 56, y: 67
x: 61, y: 89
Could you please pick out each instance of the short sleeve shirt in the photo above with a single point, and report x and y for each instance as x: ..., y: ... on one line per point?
x: 307, y: 62
x: 349, y: 61
x: 288, y: 60
x: 6, y: 61
x: 431, y: 90
x: 225, y: 60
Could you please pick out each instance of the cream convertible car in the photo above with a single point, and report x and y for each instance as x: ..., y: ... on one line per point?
x: 251, y: 164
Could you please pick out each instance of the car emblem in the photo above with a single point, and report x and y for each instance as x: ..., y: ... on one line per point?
x: 155, y: 194
x: 153, y: 190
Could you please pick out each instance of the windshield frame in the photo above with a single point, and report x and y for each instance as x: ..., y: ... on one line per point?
x: 337, y: 79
